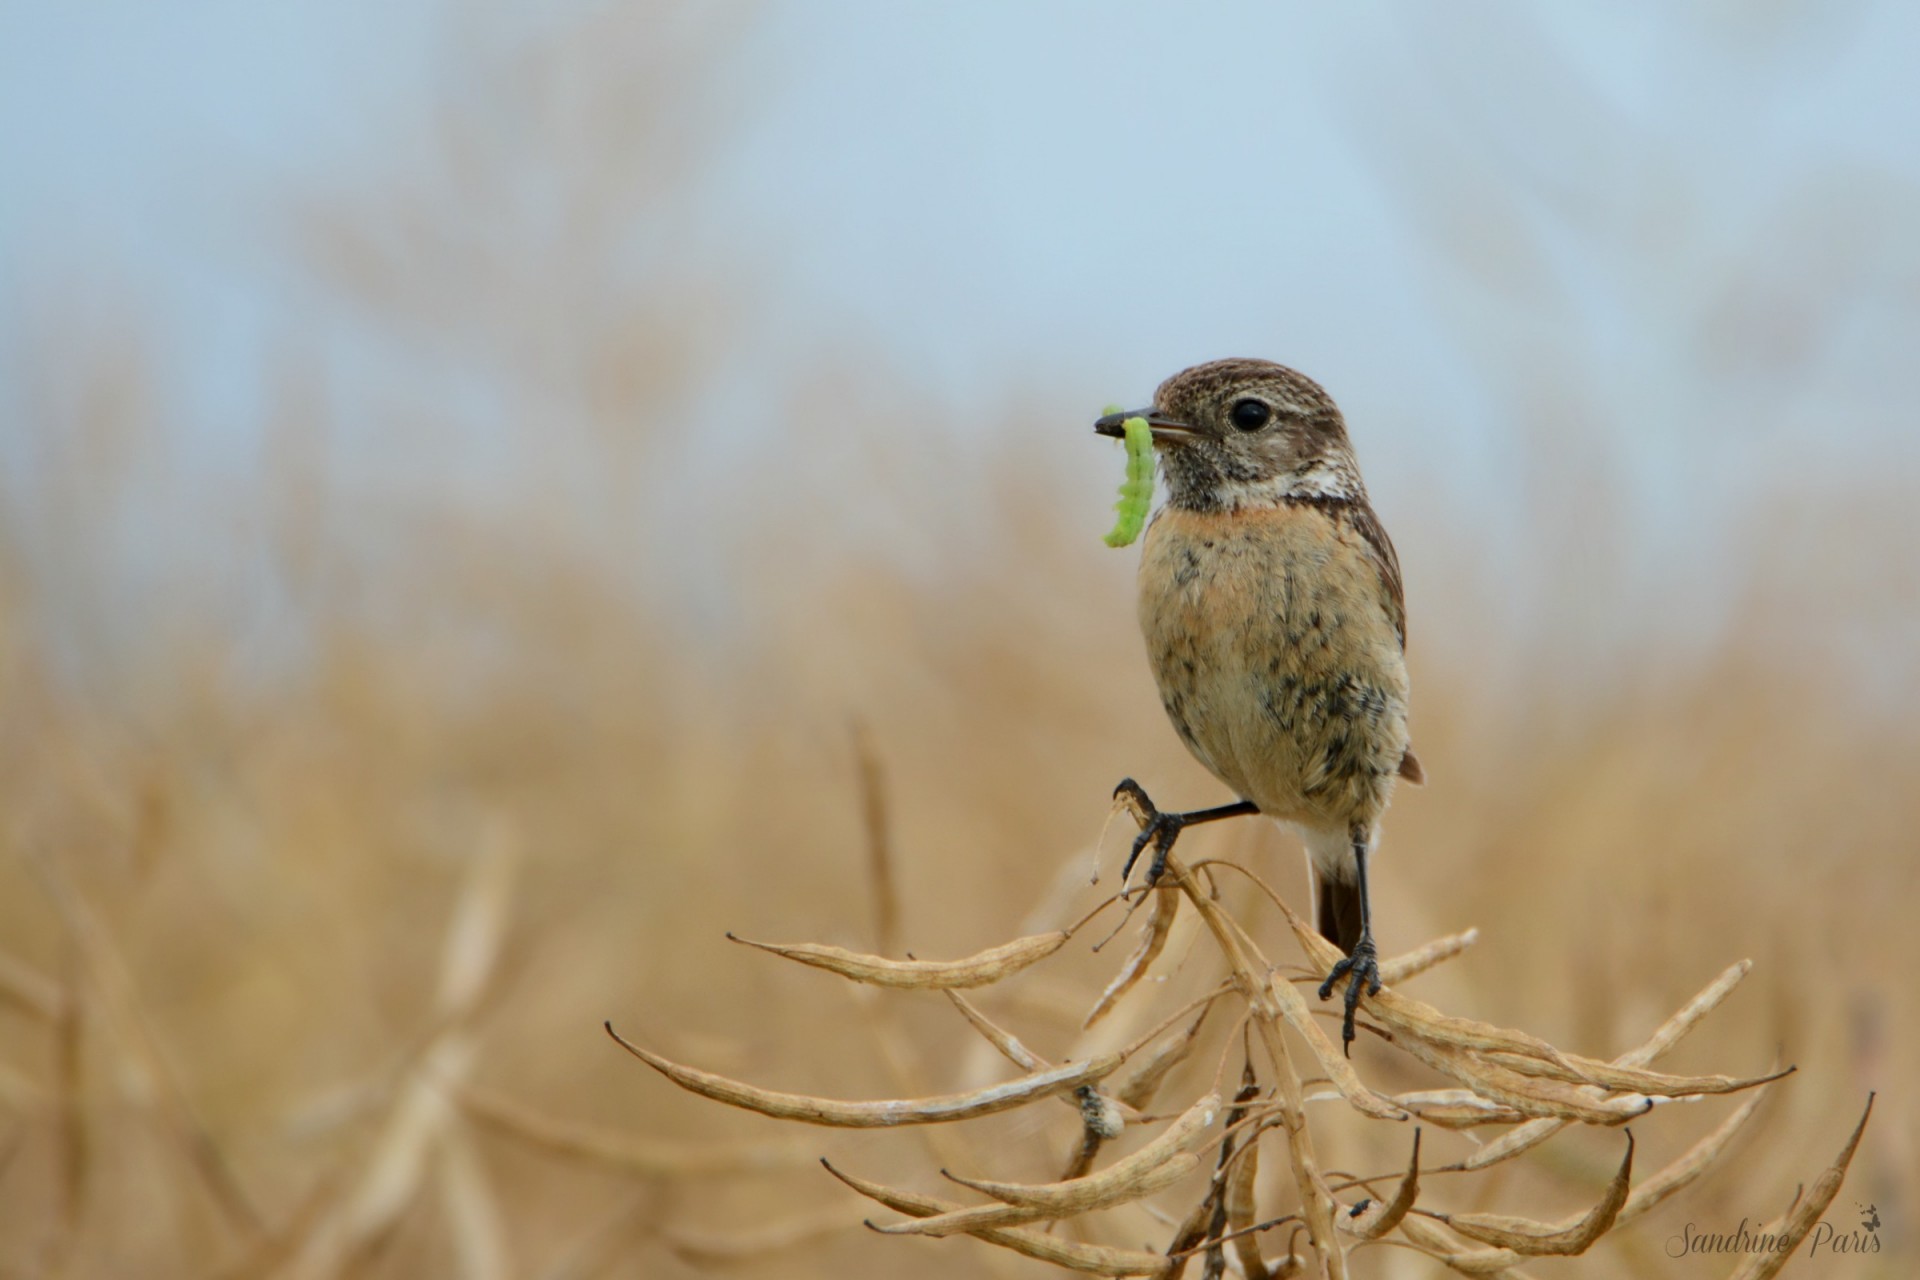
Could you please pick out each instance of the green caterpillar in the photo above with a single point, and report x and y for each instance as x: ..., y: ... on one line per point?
x: 1136, y: 491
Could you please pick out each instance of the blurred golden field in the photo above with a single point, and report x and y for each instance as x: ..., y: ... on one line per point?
x: 337, y: 781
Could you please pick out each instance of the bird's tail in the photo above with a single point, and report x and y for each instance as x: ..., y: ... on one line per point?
x: 1338, y: 907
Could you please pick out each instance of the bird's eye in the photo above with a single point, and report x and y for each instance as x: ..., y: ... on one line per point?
x: 1250, y: 415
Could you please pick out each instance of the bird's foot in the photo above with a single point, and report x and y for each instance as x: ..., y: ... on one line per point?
x: 1157, y: 828
x: 1363, y: 966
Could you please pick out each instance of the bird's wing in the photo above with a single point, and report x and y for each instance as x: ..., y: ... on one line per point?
x: 1359, y: 517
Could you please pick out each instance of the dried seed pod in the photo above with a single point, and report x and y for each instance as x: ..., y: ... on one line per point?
x: 1186, y: 1135
x: 1383, y: 1216
x: 1237, y: 1196
x: 1153, y: 939
x: 1684, y: 1019
x: 1153, y: 1168
x: 1457, y: 1108
x: 1533, y: 1238
x: 1095, y: 1191
x: 1420, y: 959
x: 1412, y: 1017
x: 1437, y: 1244
x: 1574, y: 1069
x: 1525, y: 1094
x: 1799, y: 1220
x: 1293, y: 1007
x: 980, y: 970
x: 999, y: 1037
x: 1138, y: 1087
x: 876, y: 1115
x: 1690, y: 1166
x: 1091, y: 1259
x: 1534, y: 1132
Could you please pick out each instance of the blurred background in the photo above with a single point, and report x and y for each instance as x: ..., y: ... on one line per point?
x: 470, y: 478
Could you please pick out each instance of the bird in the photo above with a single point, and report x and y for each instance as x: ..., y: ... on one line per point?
x: 1271, y: 603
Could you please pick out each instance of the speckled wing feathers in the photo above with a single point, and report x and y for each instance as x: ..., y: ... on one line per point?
x: 1358, y: 515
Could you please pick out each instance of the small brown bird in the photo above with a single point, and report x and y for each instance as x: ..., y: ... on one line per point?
x: 1271, y: 604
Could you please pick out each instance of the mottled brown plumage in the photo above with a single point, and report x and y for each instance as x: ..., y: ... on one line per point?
x: 1277, y: 659
x: 1271, y: 603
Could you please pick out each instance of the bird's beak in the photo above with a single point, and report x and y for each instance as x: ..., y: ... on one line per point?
x: 1165, y: 429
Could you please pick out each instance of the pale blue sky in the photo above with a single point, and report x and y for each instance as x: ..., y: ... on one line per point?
x: 1689, y: 233
x: 1124, y: 188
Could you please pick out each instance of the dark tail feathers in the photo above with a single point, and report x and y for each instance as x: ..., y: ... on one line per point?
x: 1339, y: 911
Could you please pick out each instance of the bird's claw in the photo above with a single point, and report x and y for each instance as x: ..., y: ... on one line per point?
x: 1157, y: 828
x: 1363, y: 966
x: 1161, y: 831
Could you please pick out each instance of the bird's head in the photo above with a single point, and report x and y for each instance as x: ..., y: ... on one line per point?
x: 1241, y: 433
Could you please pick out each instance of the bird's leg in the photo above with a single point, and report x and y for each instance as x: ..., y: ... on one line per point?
x: 1364, y: 963
x: 1161, y: 829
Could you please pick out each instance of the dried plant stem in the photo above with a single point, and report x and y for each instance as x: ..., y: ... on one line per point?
x: 879, y: 833
x: 1501, y: 1076
x: 117, y: 1002
x: 1250, y: 979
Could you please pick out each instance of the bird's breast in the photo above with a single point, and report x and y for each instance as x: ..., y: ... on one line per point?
x: 1275, y: 652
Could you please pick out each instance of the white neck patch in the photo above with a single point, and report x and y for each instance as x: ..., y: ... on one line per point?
x: 1324, y: 479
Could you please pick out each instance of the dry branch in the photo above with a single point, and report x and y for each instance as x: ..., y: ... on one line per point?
x: 1499, y: 1076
